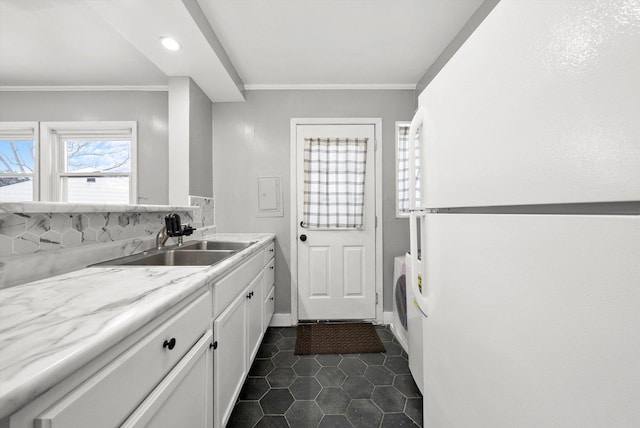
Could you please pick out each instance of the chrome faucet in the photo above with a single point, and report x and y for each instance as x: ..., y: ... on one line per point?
x: 161, y: 237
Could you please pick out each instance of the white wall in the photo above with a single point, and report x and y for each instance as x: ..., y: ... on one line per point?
x: 201, y: 142
x: 253, y: 137
x: 149, y: 109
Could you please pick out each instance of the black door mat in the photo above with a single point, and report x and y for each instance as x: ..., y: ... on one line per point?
x: 337, y: 338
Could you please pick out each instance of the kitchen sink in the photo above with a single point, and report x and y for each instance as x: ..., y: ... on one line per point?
x: 180, y: 257
x: 214, y: 246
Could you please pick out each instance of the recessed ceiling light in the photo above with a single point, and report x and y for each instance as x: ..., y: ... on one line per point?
x: 170, y: 43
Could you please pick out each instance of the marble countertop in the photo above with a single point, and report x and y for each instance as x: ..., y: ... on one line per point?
x: 71, y: 207
x: 50, y: 327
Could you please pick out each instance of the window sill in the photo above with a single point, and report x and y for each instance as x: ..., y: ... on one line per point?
x: 70, y: 207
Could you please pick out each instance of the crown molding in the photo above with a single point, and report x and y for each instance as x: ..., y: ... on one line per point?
x: 85, y: 88
x: 331, y: 87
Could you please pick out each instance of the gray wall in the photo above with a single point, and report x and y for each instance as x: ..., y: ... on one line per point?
x: 149, y: 109
x: 469, y: 27
x: 254, y: 136
x: 200, y: 142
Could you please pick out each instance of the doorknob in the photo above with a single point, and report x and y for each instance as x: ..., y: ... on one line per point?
x: 303, y: 238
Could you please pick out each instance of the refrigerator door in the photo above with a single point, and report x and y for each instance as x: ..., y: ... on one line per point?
x: 537, y: 108
x: 533, y: 321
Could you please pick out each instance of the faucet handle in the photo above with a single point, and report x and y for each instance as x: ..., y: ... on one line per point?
x: 187, y: 230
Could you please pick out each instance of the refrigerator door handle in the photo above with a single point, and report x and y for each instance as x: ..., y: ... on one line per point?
x: 417, y: 267
x: 416, y: 122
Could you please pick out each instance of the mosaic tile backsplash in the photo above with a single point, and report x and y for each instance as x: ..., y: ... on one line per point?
x: 40, y: 244
x: 26, y: 233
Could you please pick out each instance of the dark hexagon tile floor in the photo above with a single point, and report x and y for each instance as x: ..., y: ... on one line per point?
x: 327, y: 390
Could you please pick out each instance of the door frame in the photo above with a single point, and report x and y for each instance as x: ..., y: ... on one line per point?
x: 377, y: 124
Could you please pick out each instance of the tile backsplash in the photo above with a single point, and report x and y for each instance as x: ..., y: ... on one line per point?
x: 36, y: 244
x: 206, y: 215
x: 27, y: 233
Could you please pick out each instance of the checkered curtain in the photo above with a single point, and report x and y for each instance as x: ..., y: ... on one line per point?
x: 334, y: 173
x: 403, y: 169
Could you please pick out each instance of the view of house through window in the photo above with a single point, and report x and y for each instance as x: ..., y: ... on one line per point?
x: 82, y: 162
x: 95, y: 171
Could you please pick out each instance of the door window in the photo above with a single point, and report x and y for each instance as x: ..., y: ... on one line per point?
x: 334, y: 177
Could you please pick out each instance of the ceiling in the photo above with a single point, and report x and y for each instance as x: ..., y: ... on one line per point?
x: 227, y: 45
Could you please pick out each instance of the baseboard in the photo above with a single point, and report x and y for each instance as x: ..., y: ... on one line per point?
x: 280, y: 320
x: 387, y: 318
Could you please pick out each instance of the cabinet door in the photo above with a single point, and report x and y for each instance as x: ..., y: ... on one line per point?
x: 269, y: 307
x: 269, y: 276
x: 229, y: 360
x: 183, y: 398
x: 110, y: 395
x: 255, y: 309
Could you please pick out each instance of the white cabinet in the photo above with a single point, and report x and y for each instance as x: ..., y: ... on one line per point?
x: 104, y: 394
x: 229, y: 362
x: 269, y: 285
x: 238, y: 329
x: 238, y: 332
x: 175, y: 370
x: 269, y: 307
x: 255, y: 309
x: 183, y: 398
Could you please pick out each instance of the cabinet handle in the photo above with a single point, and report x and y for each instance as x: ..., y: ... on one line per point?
x: 271, y: 267
x: 270, y: 298
x: 214, y: 345
x: 251, y: 294
x: 171, y: 343
x: 271, y: 250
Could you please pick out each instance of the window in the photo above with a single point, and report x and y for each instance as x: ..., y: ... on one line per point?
x: 402, y: 169
x: 334, y: 176
x: 83, y: 162
x: 18, y: 161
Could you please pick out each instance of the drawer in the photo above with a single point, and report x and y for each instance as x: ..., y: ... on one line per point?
x: 269, y: 307
x: 183, y: 398
x: 269, y: 252
x: 231, y: 285
x: 109, y: 396
x: 269, y: 275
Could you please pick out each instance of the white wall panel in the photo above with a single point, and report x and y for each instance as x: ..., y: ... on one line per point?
x: 353, y: 265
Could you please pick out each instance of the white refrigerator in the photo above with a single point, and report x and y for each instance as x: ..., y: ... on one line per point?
x: 529, y: 225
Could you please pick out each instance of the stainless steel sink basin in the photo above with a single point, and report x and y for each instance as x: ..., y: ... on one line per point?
x: 171, y: 258
x: 215, y: 245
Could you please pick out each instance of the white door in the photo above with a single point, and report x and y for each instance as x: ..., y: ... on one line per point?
x: 336, y: 221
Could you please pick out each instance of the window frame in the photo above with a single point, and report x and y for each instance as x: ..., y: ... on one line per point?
x: 399, y: 124
x: 52, y: 153
x: 20, y: 130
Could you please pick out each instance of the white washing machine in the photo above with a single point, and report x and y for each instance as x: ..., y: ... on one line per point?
x: 399, y: 321
x: 414, y: 335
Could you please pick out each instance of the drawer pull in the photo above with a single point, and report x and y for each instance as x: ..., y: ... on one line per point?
x: 271, y: 250
x: 270, y: 298
x: 271, y: 267
x: 171, y: 343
